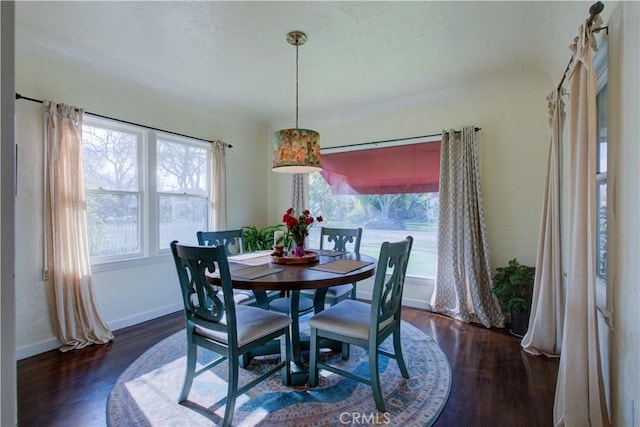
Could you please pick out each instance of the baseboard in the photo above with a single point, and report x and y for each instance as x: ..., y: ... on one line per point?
x: 53, y: 343
x: 409, y: 302
x: 37, y: 348
x: 416, y: 303
x: 143, y: 317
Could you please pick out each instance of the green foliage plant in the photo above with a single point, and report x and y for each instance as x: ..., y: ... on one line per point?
x: 513, y: 286
x: 259, y: 238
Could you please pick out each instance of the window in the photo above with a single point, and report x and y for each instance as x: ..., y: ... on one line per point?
x: 390, y: 192
x: 143, y: 189
x: 182, y: 191
x: 600, y: 62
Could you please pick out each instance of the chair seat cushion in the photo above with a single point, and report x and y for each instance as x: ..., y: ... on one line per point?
x: 333, y: 292
x: 242, y: 296
x: 252, y: 323
x: 339, y: 290
x: 283, y: 305
x: 349, y: 318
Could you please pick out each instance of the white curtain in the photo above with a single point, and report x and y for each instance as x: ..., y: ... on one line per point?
x: 579, y: 399
x: 547, y: 308
x: 67, y: 243
x: 298, y: 199
x: 218, y: 187
x: 463, y: 277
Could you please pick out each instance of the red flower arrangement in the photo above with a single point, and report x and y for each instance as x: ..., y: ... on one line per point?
x: 298, y: 226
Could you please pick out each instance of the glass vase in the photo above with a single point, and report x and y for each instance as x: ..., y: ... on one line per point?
x: 298, y: 250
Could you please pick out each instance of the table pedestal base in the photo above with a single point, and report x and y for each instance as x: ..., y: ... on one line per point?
x: 298, y: 371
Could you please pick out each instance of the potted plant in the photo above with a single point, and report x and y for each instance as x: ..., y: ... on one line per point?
x: 259, y: 238
x: 513, y: 286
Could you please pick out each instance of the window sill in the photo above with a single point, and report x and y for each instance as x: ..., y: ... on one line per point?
x: 130, y: 263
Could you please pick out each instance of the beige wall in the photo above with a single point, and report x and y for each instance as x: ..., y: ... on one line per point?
x: 511, y: 109
x: 130, y: 295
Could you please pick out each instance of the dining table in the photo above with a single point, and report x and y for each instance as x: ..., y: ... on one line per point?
x: 261, y: 271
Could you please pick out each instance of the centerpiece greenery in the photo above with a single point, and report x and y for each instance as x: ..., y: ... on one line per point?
x: 259, y: 238
x: 298, y: 228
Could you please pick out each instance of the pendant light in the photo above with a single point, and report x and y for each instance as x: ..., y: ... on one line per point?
x: 296, y: 150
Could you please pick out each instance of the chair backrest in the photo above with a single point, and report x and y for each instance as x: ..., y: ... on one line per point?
x: 202, y: 304
x: 232, y: 240
x: 340, y: 237
x: 386, y: 302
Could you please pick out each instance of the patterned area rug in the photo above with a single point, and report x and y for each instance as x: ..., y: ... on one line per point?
x: 146, y: 393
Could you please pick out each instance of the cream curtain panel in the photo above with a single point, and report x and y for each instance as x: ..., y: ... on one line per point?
x: 547, y: 308
x: 463, y: 278
x: 218, y: 187
x: 579, y: 399
x: 67, y: 245
x: 298, y: 197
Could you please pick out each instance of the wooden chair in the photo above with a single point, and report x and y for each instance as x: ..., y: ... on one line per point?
x: 342, y: 239
x: 233, y: 242
x: 222, y: 326
x: 367, y: 325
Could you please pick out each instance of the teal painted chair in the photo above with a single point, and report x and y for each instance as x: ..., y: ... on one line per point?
x: 367, y: 325
x: 222, y: 326
x: 340, y: 239
x: 233, y: 242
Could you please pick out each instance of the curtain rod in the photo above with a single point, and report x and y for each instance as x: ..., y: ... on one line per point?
x: 26, y: 98
x: 594, y: 11
x: 388, y: 141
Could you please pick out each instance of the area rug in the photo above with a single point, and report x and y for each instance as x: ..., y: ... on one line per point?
x: 146, y: 393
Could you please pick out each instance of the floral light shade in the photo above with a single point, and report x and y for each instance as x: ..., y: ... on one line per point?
x: 296, y: 151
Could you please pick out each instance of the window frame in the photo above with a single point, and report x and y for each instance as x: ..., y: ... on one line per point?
x: 160, y: 136
x: 603, y: 288
x: 148, y: 210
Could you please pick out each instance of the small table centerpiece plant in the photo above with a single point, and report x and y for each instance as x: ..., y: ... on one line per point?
x: 259, y: 238
x: 298, y: 228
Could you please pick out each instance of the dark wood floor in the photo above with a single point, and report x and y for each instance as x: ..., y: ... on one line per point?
x: 494, y: 383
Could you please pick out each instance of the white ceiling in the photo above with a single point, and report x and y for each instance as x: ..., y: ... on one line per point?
x: 235, y: 53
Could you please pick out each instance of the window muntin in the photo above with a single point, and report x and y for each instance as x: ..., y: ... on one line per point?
x: 143, y: 190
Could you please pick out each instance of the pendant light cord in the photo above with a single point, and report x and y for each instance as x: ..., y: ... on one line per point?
x: 297, y: 46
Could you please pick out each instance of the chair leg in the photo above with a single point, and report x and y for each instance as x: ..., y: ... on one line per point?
x: 353, y: 291
x: 375, y: 379
x: 397, y: 349
x: 232, y: 391
x: 313, y: 357
x: 285, y: 355
x: 345, y: 351
x: 245, y: 359
x: 192, y: 352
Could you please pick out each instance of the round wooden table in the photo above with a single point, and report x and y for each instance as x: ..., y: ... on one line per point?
x: 293, y: 278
